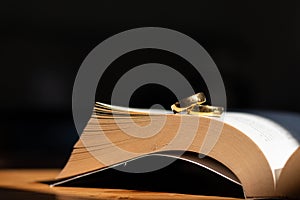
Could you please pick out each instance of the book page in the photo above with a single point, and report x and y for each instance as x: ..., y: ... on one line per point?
x: 289, y: 180
x: 275, y: 141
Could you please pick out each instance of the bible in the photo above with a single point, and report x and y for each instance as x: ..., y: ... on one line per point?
x: 252, y: 151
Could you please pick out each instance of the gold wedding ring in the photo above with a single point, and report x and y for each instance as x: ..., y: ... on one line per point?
x: 206, y: 110
x: 193, y: 105
x: 188, y: 102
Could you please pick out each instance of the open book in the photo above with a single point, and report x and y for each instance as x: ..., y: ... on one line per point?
x: 252, y: 151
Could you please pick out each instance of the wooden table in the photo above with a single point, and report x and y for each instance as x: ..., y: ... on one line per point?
x: 24, y: 184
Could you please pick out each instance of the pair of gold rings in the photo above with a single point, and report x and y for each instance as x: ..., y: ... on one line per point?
x: 193, y: 105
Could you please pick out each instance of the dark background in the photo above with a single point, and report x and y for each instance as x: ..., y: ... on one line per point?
x: 255, y: 45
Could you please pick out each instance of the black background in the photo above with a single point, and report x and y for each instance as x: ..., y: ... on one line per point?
x: 255, y: 45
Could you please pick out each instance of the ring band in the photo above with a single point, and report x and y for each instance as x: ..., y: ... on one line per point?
x: 193, y: 105
x: 188, y: 102
x: 206, y: 110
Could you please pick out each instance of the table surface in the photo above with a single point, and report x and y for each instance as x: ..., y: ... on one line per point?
x: 25, y: 184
